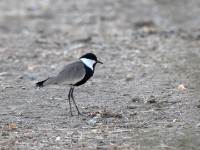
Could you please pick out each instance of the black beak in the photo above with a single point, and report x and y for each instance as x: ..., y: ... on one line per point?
x: 99, y: 62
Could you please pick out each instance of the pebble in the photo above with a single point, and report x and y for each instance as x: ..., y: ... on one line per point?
x: 57, y: 138
x: 151, y: 99
x: 181, y: 88
x: 3, y: 73
x: 136, y: 99
x: 132, y: 106
x: 5, y: 134
x: 92, y: 122
x: 198, y: 124
x: 129, y: 77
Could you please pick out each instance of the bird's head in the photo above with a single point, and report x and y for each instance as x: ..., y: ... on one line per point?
x: 90, y: 60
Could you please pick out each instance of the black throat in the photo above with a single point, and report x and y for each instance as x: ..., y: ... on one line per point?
x: 89, y: 73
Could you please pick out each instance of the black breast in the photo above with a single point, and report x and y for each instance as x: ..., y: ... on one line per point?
x: 88, y: 75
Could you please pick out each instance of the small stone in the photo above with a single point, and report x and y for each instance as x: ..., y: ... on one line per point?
x: 33, y: 68
x: 144, y: 75
x: 5, y: 134
x: 74, y: 140
x: 134, y: 114
x: 57, y: 139
x: 181, y: 88
x: 136, y: 99
x: 92, y: 122
x: 23, y: 88
x: 151, y: 99
x: 31, y: 75
x: 3, y: 73
x: 129, y: 77
x: 198, y: 124
x: 131, y: 107
x: 169, y: 126
x: 97, y: 116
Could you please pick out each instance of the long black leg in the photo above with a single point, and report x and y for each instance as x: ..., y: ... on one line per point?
x: 72, y: 96
x: 69, y: 95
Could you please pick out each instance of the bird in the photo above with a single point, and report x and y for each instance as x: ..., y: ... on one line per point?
x: 73, y: 74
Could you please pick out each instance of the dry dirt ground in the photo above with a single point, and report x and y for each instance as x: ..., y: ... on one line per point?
x: 149, y: 48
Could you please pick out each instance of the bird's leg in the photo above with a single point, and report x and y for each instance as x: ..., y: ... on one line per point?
x: 72, y: 96
x: 70, y: 101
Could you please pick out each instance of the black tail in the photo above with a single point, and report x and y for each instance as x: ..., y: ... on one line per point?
x: 40, y: 84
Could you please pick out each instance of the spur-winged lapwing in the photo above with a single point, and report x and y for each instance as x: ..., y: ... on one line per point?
x: 74, y: 74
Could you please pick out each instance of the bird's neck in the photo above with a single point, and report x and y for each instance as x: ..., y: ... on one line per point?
x: 89, y: 63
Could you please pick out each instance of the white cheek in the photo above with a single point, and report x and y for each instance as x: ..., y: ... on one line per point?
x: 88, y: 62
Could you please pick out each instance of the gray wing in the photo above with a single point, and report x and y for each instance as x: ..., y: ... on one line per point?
x: 71, y: 74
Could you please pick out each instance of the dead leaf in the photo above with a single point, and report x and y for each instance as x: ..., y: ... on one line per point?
x: 12, y: 126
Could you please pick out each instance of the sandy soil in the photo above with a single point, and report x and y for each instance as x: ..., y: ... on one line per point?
x: 149, y: 48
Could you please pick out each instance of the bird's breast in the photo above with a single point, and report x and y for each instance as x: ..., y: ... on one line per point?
x: 88, y: 75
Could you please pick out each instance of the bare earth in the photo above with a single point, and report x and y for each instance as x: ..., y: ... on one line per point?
x: 149, y: 48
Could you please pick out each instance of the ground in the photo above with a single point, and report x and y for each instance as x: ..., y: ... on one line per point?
x: 148, y: 47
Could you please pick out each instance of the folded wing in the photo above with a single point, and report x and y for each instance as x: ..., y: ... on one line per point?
x: 71, y: 74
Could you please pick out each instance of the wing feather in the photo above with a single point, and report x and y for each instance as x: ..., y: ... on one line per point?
x: 71, y: 74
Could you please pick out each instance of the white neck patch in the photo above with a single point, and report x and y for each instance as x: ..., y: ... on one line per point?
x: 88, y: 62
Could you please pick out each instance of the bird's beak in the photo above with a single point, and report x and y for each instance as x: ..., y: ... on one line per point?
x: 99, y: 62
